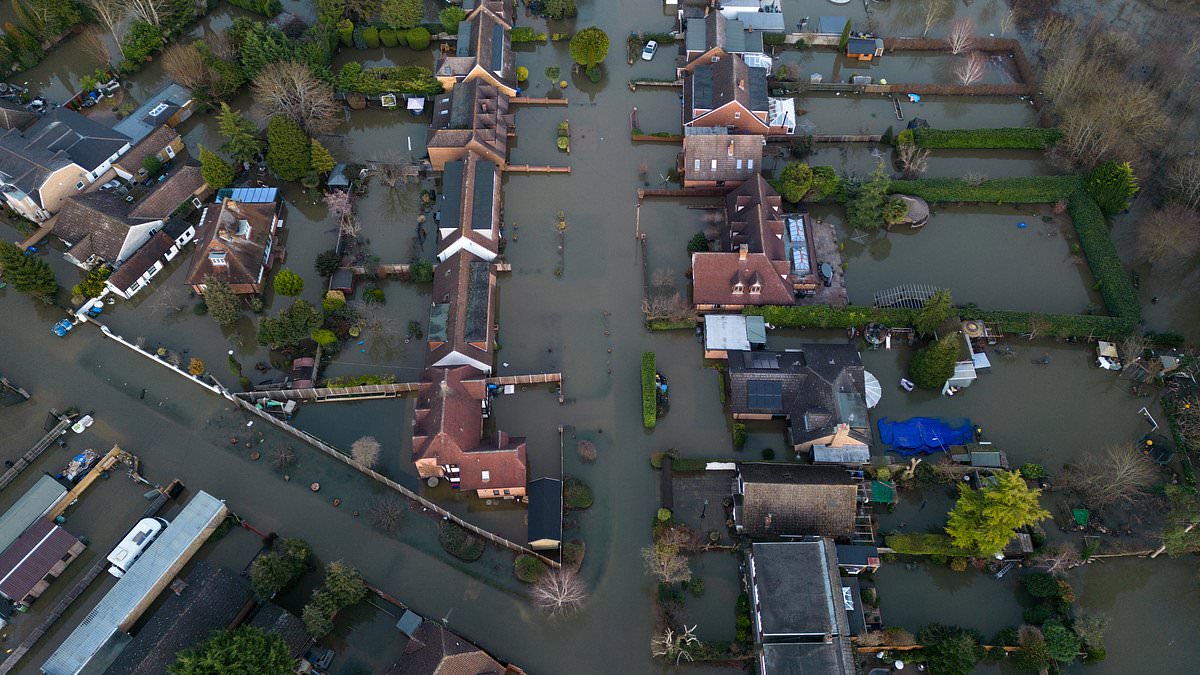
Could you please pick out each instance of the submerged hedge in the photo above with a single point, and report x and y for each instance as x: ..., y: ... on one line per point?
x: 1118, y: 292
x: 824, y: 316
x: 1011, y: 138
x: 649, y: 393
x: 1020, y: 190
x: 923, y: 543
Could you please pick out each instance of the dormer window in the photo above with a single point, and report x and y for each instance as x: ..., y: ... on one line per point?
x: 755, y: 288
x: 217, y: 258
x: 739, y: 288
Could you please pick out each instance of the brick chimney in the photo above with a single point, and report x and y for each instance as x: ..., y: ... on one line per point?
x: 743, y: 252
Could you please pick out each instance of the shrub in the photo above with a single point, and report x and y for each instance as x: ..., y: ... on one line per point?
x: 93, y: 284
x: 288, y: 283
x: 826, y: 184
x: 460, y: 543
x: 324, y: 337
x: 589, y: 47
x: 795, y: 181
x: 577, y: 494
x: 958, y: 564
x: 1038, y: 614
x: 328, y: 262
x: 421, y: 272
x: 1012, y: 138
x: 768, y: 454
x: 774, y: 39
x: 649, y: 391
x: 562, y: 143
x: 528, y: 568
x: 388, y: 79
x: 522, y: 73
x: 696, y: 586
x: 1120, y: 297
x: 1112, y: 185
x: 387, y: 37
x: 267, y: 8
x: 450, y: 17
x: 345, y: 32
x: 1020, y: 190
x: 698, y: 243
x: 663, y: 515
x: 526, y: 34
x: 141, y: 41
x: 1042, y: 585
x: 370, y: 37
x: 924, y: 543
x: 1031, y: 471
x: 418, y: 38
x: 739, y: 435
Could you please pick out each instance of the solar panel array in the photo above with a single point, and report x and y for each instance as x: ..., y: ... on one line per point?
x: 764, y: 395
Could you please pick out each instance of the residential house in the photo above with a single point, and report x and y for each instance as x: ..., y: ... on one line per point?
x: 799, y: 609
x: 58, y: 156
x: 726, y: 93
x: 483, y: 50
x: 864, y: 47
x: 462, y: 317
x: 290, y: 628
x: 757, y: 15
x: 164, y: 246
x: 169, y: 106
x: 434, y: 650
x: 238, y: 244
x: 714, y: 158
x: 545, y: 514
x: 34, y: 560
x: 725, y: 333
x: 468, y: 217
x: 447, y: 431
x: 794, y: 500
x: 102, y: 227
x: 13, y: 115
x: 713, y: 37
x: 819, y: 389
x: 766, y: 257
x: 472, y: 117
x: 164, y: 143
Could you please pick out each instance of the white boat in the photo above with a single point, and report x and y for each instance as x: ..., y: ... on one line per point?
x: 83, y: 423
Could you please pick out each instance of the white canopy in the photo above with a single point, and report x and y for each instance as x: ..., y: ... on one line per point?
x: 416, y: 103
x: 874, y: 390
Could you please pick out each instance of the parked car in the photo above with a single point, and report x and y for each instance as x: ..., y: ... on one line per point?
x: 111, y: 185
x: 649, y: 49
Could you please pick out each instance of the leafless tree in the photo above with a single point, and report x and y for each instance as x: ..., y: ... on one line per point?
x: 219, y: 44
x: 1117, y: 475
x: 971, y: 69
x: 913, y: 160
x: 1038, y: 324
x: 674, y: 646
x: 365, y: 451
x: 283, y: 457
x: 666, y: 560
x: 1052, y: 32
x: 290, y: 89
x: 91, y: 42
x: 962, y: 34
x: 150, y: 11
x: 1027, y: 634
x: 111, y: 14
x: 559, y: 592
x: 185, y: 64
x: 935, y: 11
x: 1007, y: 21
x: 1058, y: 559
x: 1132, y: 348
x: 1183, y: 180
x: 386, y: 513
x: 341, y: 205
x: 1169, y: 237
x: 1187, y: 416
x: 587, y: 451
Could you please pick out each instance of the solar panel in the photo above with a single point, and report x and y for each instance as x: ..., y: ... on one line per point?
x: 764, y: 395
x: 764, y: 360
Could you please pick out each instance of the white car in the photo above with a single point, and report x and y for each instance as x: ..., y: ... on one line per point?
x: 649, y: 49
x: 111, y: 185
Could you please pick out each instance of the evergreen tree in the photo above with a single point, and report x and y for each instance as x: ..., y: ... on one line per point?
x: 319, y: 158
x: 288, y: 283
x: 241, y: 137
x: 27, y: 273
x: 402, y: 13
x: 865, y: 210
x: 983, y: 521
x: 216, y: 171
x: 291, y: 326
x: 1112, y: 185
x: 222, y: 302
x: 288, y: 153
x: 933, y: 313
x: 931, y: 366
x: 245, y: 650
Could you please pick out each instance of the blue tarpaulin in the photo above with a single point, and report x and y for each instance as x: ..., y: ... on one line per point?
x: 923, y: 435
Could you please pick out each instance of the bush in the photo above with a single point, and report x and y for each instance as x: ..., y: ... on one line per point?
x: 345, y: 32
x: 288, y: 283
x: 267, y: 8
x: 696, y: 586
x: 388, y: 79
x: 1112, y: 185
x: 1120, y: 297
x: 328, y: 262
x: 663, y: 515
x: 522, y: 73
x: 826, y: 184
x: 649, y: 391
x: 1019, y: 190
x: 1038, y: 614
x: 421, y: 272
x: 370, y: 37
x: 460, y: 543
x: 768, y: 454
x: 141, y: 41
x: 739, y: 435
x: 526, y: 34
x: 528, y: 568
x: 774, y: 39
x: 1042, y: 585
x: 387, y: 37
x: 698, y: 243
x: 1012, y: 138
x: 823, y: 316
x: 924, y: 543
x: 418, y: 38
x: 577, y: 494
x: 1031, y: 471
x: 324, y: 337
x: 450, y: 17
x: 795, y: 181
x: 933, y: 364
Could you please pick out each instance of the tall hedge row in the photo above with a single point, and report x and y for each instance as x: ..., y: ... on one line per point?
x: 1019, y: 190
x: 1092, y: 229
x: 649, y: 391
x: 1011, y: 138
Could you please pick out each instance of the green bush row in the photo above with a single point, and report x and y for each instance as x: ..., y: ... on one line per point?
x: 824, y: 316
x: 388, y: 80
x: 923, y: 543
x: 1019, y: 190
x: 1011, y: 138
x: 526, y: 34
x: 649, y: 391
x: 1092, y: 229
x: 667, y: 324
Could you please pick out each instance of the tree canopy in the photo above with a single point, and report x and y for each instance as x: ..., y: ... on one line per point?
x: 450, y: 17
x: 245, y: 650
x: 402, y: 13
x: 984, y: 520
x: 795, y: 181
x: 1112, y: 185
x: 932, y: 365
x: 26, y: 272
x: 222, y: 302
x: 865, y: 209
x: 933, y: 313
x: 216, y: 171
x: 273, y: 571
x: 288, y: 152
x: 288, y: 283
x: 950, y: 650
x: 589, y: 46
x: 291, y: 326
x: 320, y: 160
x: 241, y: 136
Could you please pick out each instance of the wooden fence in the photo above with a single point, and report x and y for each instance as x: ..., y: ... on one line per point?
x: 36, y: 451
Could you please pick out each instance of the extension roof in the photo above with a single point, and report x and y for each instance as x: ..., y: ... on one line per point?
x: 722, y: 157
x: 469, y: 204
x: 150, y: 253
x: 13, y: 115
x: 780, y: 500
x: 152, y: 144
x: 717, y: 31
x: 484, y: 37
x: 463, y: 293
x: 714, y: 85
x: 545, y: 510
x: 178, y: 187
x: 32, y: 505
x: 32, y: 556
x: 163, y: 104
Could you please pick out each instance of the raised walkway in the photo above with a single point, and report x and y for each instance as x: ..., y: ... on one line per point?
x: 374, y: 391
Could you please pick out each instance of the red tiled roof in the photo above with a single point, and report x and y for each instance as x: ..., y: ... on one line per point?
x: 448, y: 415
x: 244, y: 252
x: 714, y: 276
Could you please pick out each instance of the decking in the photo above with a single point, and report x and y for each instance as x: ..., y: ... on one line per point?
x: 36, y: 451
x: 376, y: 391
x: 529, y: 168
x: 537, y: 101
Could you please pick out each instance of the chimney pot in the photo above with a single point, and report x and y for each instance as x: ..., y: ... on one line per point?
x: 743, y: 251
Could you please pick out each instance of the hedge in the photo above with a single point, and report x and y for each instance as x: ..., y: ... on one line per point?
x: 268, y: 8
x: 1020, y: 190
x: 460, y: 543
x: 1092, y: 229
x: 1011, y: 138
x: 526, y: 34
x: 388, y: 80
x: 649, y: 391
x: 667, y: 324
x: 824, y: 316
x: 923, y: 543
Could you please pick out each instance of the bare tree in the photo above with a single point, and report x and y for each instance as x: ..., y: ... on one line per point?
x: 971, y: 69
x: 386, y: 513
x: 111, y: 14
x: 91, y: 41
x: 587, y: 451
x: 290, y: 89
x: 559, y: 592
x: 1058, y: 559
x: 150, y: 11
x: 1132, y: 348
x: 365, y: 451
x: 1038, y: 324
x: 1183, y: 180
x: 1187, y: 416
x: 674, y: 646
x: 185, y: 64
x: 665, y: 559
x: 934, y: 12
x: 1007, y: 21
x: 962, y: 34
x: 913, y: 160
x: 1117, y: 475
x: 219, y: 44
x: 283, y: 457
x: 1169, y: 237
x: 341, y: 205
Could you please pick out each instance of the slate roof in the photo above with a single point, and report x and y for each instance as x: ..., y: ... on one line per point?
x: 796, y: 499
x: 722, y: 157
x: 447, y: 415
x: 433, y: 650
x: 798, y: 589
x: 806, y: 659
x: 473, y: 110
x: 141, y: 123
x: 152, y: 144
x: 150, y: 252
x: 244, y: 253
x: 484, y: 38
x: 211, y: 600
x: 713, y: 85
x: 27, y: 166
x: 32, y: 556
x: 469, y: 203
x: 545, y: 509
x: 87, y: 142
x: 15, y: 116
x: 177, y: 188
x: 464, y: 287
x: 275, y: 619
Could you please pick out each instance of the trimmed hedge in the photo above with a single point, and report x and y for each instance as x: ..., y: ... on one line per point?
x: 1020, y: 190
x: 649, y: 391
x: 923, y: 543
x: 667, y: 324
x: 1054, y: 325
x: 1092, y: 229
x: 1011, y: 138
x: 823, y: 316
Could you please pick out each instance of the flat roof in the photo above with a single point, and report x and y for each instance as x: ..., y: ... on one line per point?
x: 805, y: 659
x: 793, y: 589
x: 147, y: 577
x: 32, y: 505
x: 726, y: 331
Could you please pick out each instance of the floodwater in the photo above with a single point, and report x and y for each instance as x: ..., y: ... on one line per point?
x: 571, y: 304
x: 839, y: 113
x: 896, y: 68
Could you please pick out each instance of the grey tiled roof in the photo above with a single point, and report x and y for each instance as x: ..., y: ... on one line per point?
x: 796, y: 499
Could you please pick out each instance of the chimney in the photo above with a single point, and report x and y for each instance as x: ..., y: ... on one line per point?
x: 743, y: 252
x: 730, y: 147
x: 742, y: 84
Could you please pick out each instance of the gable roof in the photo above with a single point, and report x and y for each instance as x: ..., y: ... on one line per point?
x: 447, y: 415
x: 94, y: 223
x: 151, y: 144
x: 473, y: 110
x: 87, y: 142
x: 461, y: 320
x: 150, y: 252
x: 433, y: 650
x: 32, y: 556
x: 155, y: 111
x: 32, y: 505
x: 15, y: 116
x: 469, y: 204
x: 489, y: 43
x: 243, y: 232
x: 722, y: 157
x: 545, y: 509
x: 714, y: 85
x: 796, y: 499
x: 169, y: 194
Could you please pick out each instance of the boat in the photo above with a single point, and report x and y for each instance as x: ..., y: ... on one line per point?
x: 62, y: 327
x: 79, y: 465
x: 83, y: 423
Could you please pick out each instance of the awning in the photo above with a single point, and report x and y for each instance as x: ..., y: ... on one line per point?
x: 874, y: 390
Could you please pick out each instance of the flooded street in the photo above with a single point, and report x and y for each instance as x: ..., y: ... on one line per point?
x: 572, y: 304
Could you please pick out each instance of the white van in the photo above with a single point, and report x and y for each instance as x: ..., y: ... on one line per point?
x: 134, y: 544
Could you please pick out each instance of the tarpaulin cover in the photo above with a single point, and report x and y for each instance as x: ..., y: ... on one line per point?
x: 923, y: 435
